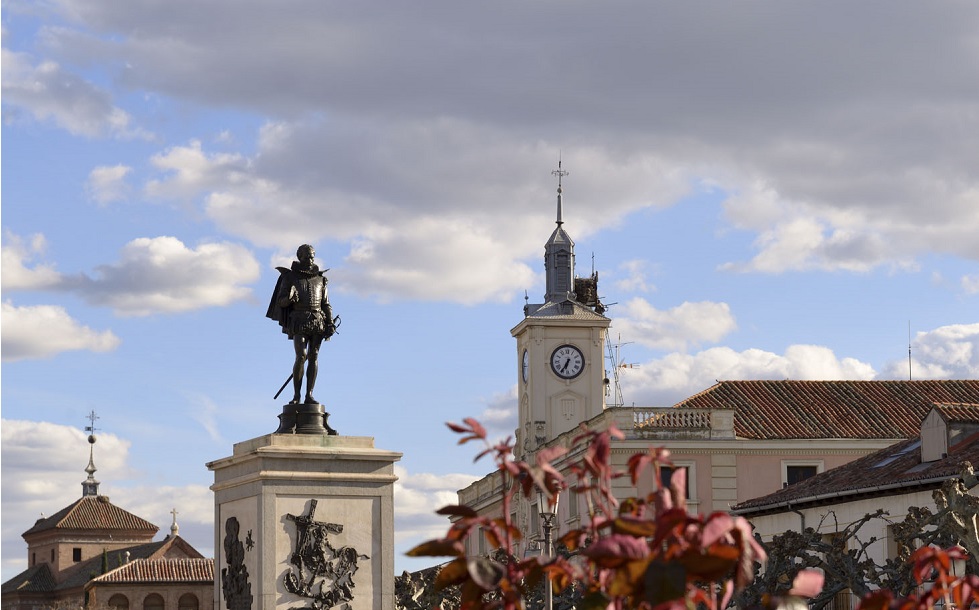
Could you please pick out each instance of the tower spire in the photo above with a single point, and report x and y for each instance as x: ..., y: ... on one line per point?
x: 559, y: 253
x: 560, y: 173
x: 90, y: 487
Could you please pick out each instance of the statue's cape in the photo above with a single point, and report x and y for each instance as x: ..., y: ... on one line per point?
x: 281, y: 314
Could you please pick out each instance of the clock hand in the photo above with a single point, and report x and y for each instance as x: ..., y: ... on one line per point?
x: 566, y: 363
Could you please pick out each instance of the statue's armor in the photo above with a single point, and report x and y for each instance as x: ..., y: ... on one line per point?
x: 310, y: 315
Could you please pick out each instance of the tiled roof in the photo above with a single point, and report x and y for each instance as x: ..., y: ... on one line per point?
x: 160, y: 570
x: 896, y: 469
x: 36, y: 579
x: 831, y: 409
x: 566, y: 310
x: 93, y: 513
x: 959, y: 412
x: 81, y: 573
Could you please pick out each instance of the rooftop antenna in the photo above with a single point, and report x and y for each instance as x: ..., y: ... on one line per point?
x: 560, y: 173
x: 909, y: 350
x: 617, y: 363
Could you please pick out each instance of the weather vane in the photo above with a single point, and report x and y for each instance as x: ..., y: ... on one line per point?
x: 91, y: 417
x: 560, y: 173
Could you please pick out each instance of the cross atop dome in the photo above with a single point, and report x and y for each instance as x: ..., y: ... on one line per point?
x: 90, y: 487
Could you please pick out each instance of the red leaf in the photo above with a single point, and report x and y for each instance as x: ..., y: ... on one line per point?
x: 452, y: 573
x: 438, y: 548
x: 455, y: 510
x: 878, y: 600
x: 807, y: 583
x: 640, y: 528
x: 617, y: 549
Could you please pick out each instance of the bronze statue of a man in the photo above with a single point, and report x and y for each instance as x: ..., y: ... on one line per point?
x: 301, y: 307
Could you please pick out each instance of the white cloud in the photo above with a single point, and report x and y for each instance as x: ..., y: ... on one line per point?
x: 153, y: 275
x: 416, y: 498
x: 664, y: 381
x: 42, y: 331
x: 970, y: 284
x: 683, y: 325
x: 162, y: 275
x: 948, y: 352
x: 16, y: 254
x: 635, y: 272
x: 435, y: 238
x: 106, y: 183
x: 50, y: 93
x: 188, y: 171
x: 499, y: 417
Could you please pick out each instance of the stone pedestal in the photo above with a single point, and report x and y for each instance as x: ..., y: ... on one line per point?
x: 304, y: 520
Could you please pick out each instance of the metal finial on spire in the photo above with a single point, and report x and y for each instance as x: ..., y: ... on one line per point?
x: 560, y: 173
x: 90, y: 487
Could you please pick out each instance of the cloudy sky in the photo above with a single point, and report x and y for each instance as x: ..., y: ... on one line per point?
x: 768, y: 190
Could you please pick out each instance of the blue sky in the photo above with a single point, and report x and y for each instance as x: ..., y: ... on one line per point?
x: 769, y: 190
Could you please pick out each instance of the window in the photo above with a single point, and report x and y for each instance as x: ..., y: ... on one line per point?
x: 76, y: 554
x: 666, y: 473
x: 795, y: 474
x: 794, y: 471
x: 119, y: 602
x: 33, y: 559
x: 52, y: 555
x: 188, y: 601
x: 153, y: 601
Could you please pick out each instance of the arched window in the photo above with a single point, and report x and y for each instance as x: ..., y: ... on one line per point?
x: 188, y: 601
x: 119, y: 602
x: 153, y: 602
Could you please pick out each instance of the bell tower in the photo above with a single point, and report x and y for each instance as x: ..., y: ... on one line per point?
x: 560, y: 346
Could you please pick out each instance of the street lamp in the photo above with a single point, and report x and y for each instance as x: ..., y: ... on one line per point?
x: 548, y: 514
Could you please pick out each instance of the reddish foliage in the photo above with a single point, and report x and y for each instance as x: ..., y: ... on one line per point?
x: 648, y: 552
x: 645, y: 553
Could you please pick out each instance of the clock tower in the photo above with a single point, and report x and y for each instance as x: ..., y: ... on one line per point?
x: 560, y: 347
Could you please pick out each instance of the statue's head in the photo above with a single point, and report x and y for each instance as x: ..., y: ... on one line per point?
x: 305, y: 252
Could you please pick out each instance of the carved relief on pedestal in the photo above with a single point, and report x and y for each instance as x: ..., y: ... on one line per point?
x: 321, y: 572
x: 234, y: 578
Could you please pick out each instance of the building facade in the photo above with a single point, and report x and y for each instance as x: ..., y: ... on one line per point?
x: 737, y: 440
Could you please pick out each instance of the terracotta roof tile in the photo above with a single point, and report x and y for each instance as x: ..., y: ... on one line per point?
x: 958, y: 412
x: 93, y: 512
x: 897, y: 468
x: 161, y: 570
x: 81, y: 573
x: 831, y: 409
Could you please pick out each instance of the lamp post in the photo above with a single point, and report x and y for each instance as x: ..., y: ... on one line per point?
x: 548, y: 515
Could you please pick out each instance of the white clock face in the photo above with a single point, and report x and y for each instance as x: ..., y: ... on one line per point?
x: 567, y: 362
x: 525, y: 368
